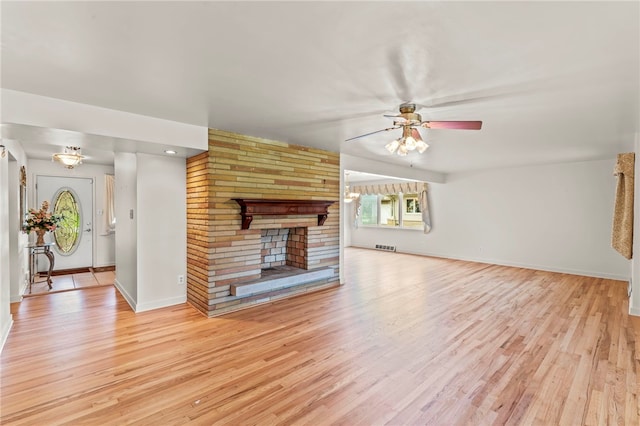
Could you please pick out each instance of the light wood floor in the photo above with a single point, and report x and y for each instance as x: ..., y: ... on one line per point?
x: 408, y: 340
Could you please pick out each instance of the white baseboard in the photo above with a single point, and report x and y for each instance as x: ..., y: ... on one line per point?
x: 634, y: 311
x: 5, y: 333
x: 595, y: 274
x: 148, y: 306
x: 584, y: 273
x: 21, y: 292
x: 162, y: 303
x: 125, y: 294
x: 104, y: 265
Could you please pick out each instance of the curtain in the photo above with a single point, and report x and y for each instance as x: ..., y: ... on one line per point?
x: 421, y: 188
x: 622, y: 232
x: 109, y: 205
x: 356, y: 211
x: 424, y: 208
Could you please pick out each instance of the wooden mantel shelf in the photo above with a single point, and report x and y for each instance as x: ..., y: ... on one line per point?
x: 249, y: 207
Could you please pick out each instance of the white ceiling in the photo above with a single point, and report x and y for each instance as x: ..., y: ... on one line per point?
x: 552, y: 81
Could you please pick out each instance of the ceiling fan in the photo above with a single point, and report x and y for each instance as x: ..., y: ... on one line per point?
x: 408, y: 120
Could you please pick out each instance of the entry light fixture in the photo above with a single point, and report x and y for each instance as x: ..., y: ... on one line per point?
x: 70, y: 158
x: 410, y: 140
x: 348, y: 195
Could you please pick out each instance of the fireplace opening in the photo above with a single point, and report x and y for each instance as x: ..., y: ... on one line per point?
x: 283, y: 247
x: 284, y: 263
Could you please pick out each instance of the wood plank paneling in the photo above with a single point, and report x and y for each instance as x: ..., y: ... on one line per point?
x: 407, y: 340
x: 239, y: 166
x: 198, y: 225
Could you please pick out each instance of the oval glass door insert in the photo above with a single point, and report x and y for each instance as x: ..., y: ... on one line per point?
x: 67, y: 234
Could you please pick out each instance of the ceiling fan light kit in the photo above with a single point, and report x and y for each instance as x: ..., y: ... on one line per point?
x: 411, y: 140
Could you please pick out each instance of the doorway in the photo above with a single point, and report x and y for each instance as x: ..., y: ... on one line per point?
x: 73, y: 198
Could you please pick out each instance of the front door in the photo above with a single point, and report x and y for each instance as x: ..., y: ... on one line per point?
x: 73, y: 198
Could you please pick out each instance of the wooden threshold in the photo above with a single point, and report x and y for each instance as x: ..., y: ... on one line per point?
x: 81, y: 270
x: 69, y: 271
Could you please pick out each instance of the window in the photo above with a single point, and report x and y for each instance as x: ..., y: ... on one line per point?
x: 389, y: 211
x: 369, y: 209
x: 395, y: 205
x: 68, y: 231
x: 411, y: 215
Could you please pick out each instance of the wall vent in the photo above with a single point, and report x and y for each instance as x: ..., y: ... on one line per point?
x: 385, y: 248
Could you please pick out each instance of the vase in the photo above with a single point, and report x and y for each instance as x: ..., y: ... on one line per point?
x: 40, y: 233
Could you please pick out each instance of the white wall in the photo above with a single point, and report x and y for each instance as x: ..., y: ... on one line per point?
x: 125, y: 166
x: 553, y: 217
x: 5, y: 312
x: 18, y: 241
x: 103, y: 244
x: 634, y: 300
x: 13, y: 256
x: 349, y: 162
x: 151, y: 246
x: 35, y: 110
x: 162, y: 231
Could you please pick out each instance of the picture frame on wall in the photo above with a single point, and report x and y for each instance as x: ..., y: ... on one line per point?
x: 23, y: 196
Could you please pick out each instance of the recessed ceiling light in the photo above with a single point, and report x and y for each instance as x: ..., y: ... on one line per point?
x: 170, y: 151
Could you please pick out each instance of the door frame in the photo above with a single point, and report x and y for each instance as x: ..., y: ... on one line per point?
x: 34, y: 198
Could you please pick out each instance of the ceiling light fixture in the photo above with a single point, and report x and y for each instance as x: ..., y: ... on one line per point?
x: 348, y: 195
x: 410, y: 141
x: 70, y: 158
x: 170, y: 151
x: 409, y: 120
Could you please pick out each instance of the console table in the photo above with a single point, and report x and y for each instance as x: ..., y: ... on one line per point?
x: 35, y: 250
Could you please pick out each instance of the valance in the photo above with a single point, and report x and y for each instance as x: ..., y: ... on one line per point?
x: 391, y: 188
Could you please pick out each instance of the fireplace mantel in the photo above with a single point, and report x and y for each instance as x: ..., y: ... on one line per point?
x: 249, y: 207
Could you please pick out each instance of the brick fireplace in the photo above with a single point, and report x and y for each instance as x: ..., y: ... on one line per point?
x: 226, y: 248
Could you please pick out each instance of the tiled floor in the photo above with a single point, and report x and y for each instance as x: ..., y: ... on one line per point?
x: 72, y: 282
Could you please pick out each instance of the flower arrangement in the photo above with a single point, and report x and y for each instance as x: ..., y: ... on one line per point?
x: 41, y: 220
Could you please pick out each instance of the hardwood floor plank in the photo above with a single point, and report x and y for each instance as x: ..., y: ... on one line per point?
x: 407, y: 340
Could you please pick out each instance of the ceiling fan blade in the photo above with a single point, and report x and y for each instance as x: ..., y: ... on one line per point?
x: 462, y: 125
x: 415, y: 134
x: 377, y: 131
x: 397, y: 61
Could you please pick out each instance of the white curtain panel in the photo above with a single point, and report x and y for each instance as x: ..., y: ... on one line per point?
x: 109, y: 205
x: 423, y: 198
x: 356, y: 211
